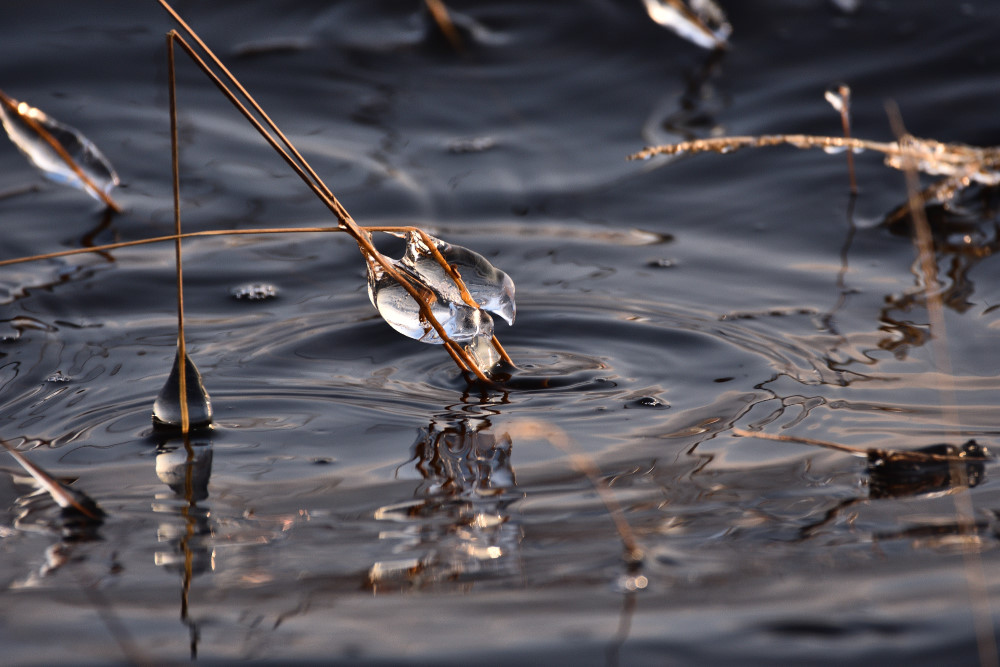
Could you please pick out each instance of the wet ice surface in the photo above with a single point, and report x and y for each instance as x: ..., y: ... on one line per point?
x: 356, y: 500
x: 34, y: 132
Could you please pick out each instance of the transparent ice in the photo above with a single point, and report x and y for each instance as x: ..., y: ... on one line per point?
x: 167, y: 407
x: 701, y: 22
x: 461, y: 322
x: 489, y: 288
x: 40, y: 152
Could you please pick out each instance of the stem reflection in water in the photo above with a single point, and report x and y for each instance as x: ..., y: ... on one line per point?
x: 185, y: 465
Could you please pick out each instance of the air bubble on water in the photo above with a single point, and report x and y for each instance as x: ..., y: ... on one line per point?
x: 471, y: 145
x: 648, y: 402
x: 254, y: 292
x: 58, y: 377
x: 167, y: 407
x: 40, y: 152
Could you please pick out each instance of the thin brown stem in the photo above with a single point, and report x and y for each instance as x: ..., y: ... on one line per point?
x: 439, y: 12
x: 964, y: 509
x: 845, y: 121
x: 589, y: 469
x: 309, y: 176
x: 179, y: 271
x: 896, y: 454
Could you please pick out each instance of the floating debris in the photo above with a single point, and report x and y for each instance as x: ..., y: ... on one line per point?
x: 899, y: 474
x: 701, y: 22
x: 960, y: 164
x: 60, y: 152
x: 167, y: 410
x: 905, y: 472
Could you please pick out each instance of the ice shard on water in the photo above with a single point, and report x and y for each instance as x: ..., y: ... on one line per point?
x: 47, y: 144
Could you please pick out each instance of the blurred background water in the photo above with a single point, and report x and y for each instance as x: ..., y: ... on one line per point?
x: 357, y: 500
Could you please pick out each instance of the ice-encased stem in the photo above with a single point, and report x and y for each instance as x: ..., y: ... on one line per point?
x: 36, y: 120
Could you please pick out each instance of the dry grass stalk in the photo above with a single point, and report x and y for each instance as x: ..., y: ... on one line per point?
x: 439, y: 12
x: 886, y: 454
x: 839, y: 96
x: 586, y: 466
x: 244, y: 103
x: 960, y: 164
x: 965, y: 511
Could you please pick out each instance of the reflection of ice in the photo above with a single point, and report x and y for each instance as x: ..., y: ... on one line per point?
x: 78, y: 520
x: 458, y: 529
x: 185, y: 465
x: 186, y: 470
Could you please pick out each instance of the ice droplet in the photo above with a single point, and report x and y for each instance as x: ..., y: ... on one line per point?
x: 15, y: 117
x: 461, y: 322
x: 167, y: 407
x: 701, y: 22
x: 483, y: 353
x: 839, y: 97
x: 489, y: 287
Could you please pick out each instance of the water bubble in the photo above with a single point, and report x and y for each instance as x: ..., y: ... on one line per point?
x: 167, y: 407
x: 17, y: 120
x: 647, y: 402
x: 58, y: 377
x: 471, y: 145
x: 254, y: 292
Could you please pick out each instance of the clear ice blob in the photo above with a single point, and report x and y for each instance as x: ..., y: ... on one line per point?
x: 167, y: 407
x: 489, y: 287
x: 461, y: 322
x: 40, y: 152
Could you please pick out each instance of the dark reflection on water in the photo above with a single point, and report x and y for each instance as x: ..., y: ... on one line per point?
x: 660, y: 305
x: 185, y: 465
x: 459, y: 528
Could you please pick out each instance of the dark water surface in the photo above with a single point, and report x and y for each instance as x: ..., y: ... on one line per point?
x: 357, y: 500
